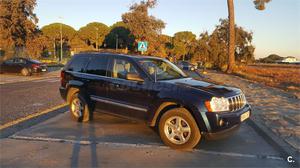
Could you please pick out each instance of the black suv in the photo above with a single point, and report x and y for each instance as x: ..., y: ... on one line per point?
x: 154, y: 90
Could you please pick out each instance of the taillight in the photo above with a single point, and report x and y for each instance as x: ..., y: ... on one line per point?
x: 35, y: 65
x: 62, y: 74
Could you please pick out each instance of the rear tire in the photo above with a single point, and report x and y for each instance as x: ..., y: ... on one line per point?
x: 79, y: 108
x: 25, y: 72
x: 178, y: 129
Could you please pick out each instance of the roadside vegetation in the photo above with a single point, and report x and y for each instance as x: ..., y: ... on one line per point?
x: 20, y: 36
x: 282, y: 76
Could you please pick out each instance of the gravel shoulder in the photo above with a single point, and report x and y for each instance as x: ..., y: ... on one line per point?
x: 277, y: 109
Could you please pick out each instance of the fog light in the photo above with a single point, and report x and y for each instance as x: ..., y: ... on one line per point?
x: 221, y: 122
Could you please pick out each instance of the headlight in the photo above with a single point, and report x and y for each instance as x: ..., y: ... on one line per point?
x: 217, y: 104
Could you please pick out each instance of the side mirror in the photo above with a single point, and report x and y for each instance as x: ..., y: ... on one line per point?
x: 134, y: 77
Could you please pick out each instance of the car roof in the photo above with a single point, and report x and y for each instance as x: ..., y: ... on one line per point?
x: 18, y: 58
x: 123, y: 55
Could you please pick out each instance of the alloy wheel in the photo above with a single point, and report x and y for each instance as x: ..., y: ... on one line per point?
x: 77, y: 107
x: 177, y: 130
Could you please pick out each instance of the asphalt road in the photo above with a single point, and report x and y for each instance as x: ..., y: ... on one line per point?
x: 23, y: 98
x: 115, y: 142
x: 109, y: 141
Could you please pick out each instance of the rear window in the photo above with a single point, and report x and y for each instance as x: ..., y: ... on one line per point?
x: 78, y: 63
x: 98, y: 65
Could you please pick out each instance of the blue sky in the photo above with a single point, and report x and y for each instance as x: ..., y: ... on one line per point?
x: 276, y: 29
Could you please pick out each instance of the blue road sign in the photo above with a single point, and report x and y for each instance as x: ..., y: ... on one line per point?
x: 142, y: 46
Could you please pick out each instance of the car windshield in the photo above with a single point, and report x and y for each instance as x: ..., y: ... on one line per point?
x: 165, y: 70
x: 35, y: 61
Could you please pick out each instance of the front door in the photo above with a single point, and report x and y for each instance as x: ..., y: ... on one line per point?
x: 127, y: 90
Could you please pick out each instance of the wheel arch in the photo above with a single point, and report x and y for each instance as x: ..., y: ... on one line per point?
x: 73, y: 86
x: 165, y: 106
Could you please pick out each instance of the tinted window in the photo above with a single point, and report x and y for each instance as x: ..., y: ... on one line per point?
x: 78, y: 64
x: 20, y: 61
x: 9, y: 61
x: 98, y: 65
x: 162, y: 69
x: 122, y: 67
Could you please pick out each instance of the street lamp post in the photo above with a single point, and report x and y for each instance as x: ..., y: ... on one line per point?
x: 61, y: 42
x: 97, y: 29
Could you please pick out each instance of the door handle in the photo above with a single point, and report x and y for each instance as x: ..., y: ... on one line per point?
x: 86, y: 80
x: 114, y: 85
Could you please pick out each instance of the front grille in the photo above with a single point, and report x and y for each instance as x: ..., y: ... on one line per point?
x: 236, y: 102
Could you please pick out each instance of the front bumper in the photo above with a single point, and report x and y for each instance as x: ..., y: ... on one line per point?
x: 224, y: 124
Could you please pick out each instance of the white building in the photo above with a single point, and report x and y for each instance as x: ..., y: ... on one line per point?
x: 289, y: 60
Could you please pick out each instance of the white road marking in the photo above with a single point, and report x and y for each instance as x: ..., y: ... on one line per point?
x: 46, y: 80
x: 154, y: 145
x: 17, y: 121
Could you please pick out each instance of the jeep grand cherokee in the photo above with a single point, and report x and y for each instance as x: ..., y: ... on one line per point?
x: 153, y: 90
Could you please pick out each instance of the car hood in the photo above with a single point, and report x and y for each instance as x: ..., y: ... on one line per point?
x: 213, y: 89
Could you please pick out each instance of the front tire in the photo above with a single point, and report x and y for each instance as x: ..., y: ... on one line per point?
x: 178, y: 129
x: 79, y: 108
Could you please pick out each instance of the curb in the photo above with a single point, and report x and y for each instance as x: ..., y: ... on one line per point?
x: 284, y: 149
x: 11, y: 128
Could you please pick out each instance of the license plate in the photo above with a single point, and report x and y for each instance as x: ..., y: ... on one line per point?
x: 245, y: 116
x: 44, y: 70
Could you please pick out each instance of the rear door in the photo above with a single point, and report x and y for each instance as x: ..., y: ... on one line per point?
x: 96, y: 74
x: 19, y: 64
x: 7, y: 65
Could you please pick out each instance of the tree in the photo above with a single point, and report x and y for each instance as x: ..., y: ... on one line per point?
x: 202, y: 48
x: 52, y: 31
x: 18, y: 23
x: 183, y: 44
x: 217, y: 45
x: 273, y: 58
x: 94, y: 33
x: 77, y: 44
x: 231, y: 42
x: 260, y: 5
x: 121, y: 31
x: 167, y: 44
x: 36, y: 46
x: 143, y: 26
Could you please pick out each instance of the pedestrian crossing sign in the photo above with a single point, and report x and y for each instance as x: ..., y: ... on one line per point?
x: 142, y: 46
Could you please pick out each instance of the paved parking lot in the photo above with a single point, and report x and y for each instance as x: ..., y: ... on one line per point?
x: 16, y: 78
x: 20, y: 99
x: 110, y: 141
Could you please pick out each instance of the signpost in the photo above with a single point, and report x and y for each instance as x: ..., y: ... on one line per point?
x: 142, y: 46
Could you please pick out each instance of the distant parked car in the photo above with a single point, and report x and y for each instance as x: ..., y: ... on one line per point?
x: 25, y: 66
x: 184, y: 65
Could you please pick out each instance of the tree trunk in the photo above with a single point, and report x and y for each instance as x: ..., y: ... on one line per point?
x: 231, y: 43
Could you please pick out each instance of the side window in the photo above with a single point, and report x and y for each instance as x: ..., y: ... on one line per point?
x: 98, y: 65
x: 78, y: 64
x: 123, y: 68
x: 10, y: 61
x: 20, y: 61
